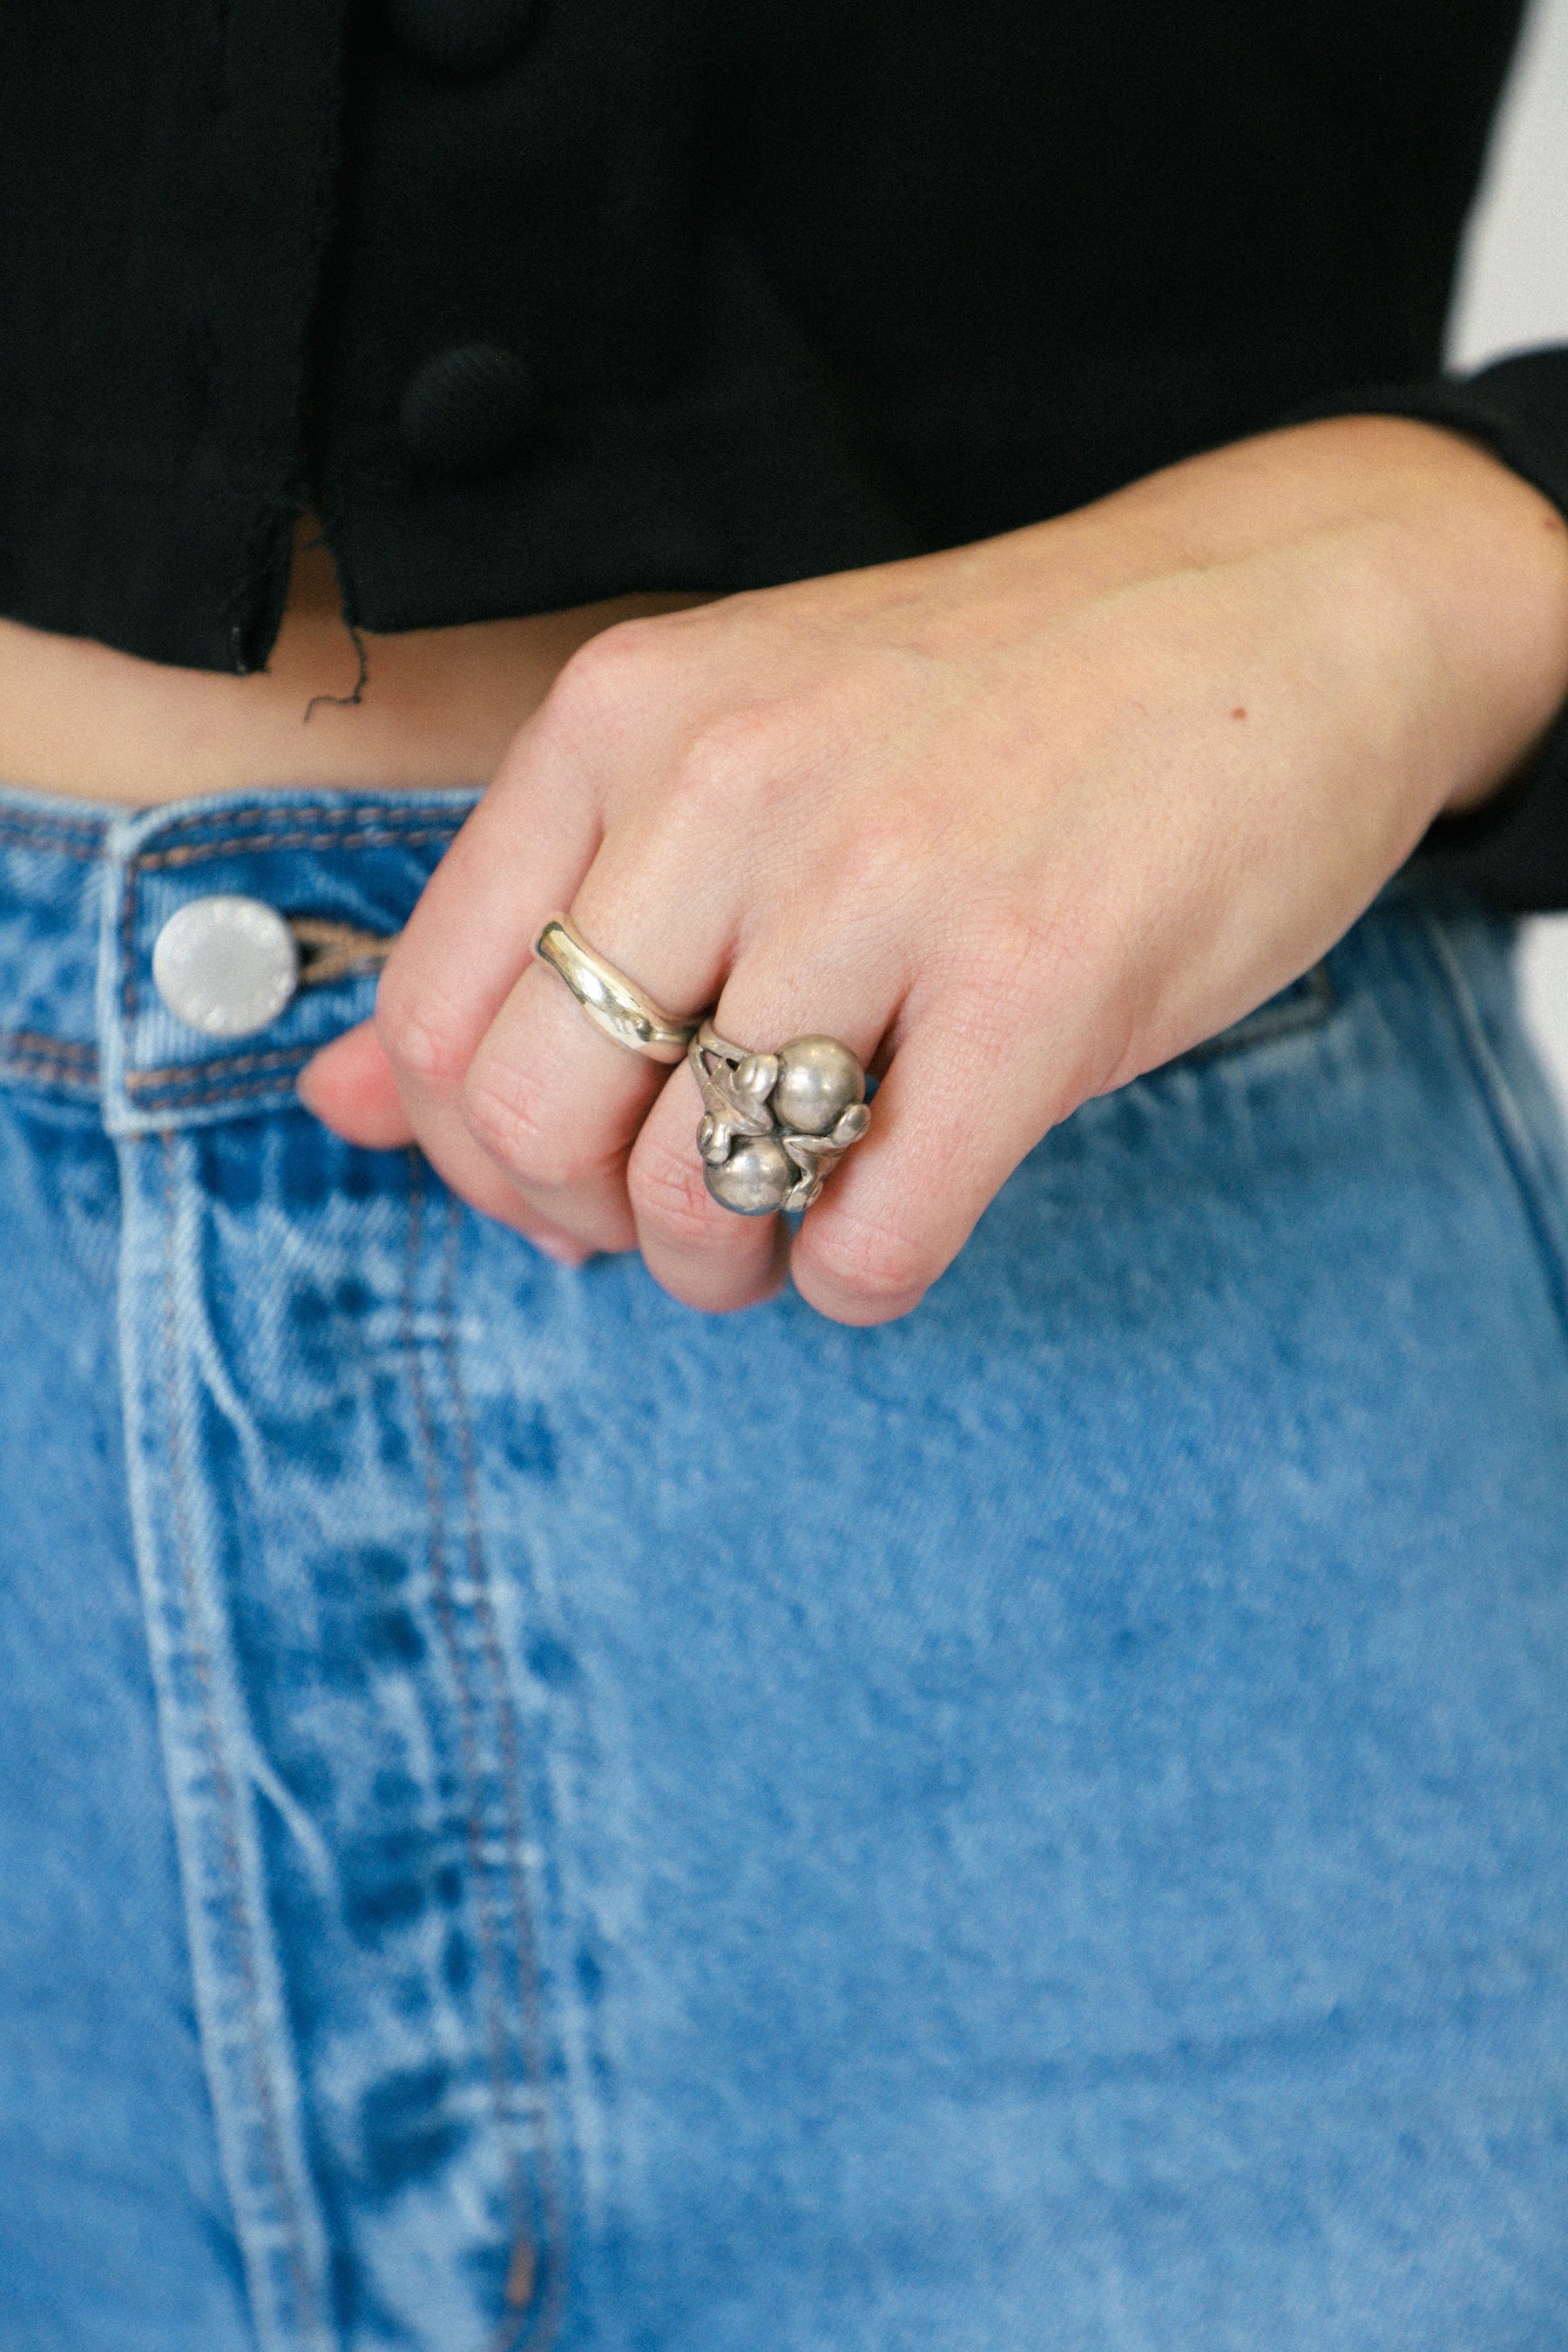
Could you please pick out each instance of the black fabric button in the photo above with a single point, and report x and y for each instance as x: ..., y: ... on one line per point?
x: 468, y: 412
x: 459, y: 36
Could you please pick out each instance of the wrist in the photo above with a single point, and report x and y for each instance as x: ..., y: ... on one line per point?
x: 1488, y: 564
x: 1469, y: 567
x: 1481, y: 558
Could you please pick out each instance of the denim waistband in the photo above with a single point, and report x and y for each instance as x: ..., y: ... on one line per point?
x: 85, y: 891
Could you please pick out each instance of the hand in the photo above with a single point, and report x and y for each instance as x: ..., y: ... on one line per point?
x: 1016, y: 822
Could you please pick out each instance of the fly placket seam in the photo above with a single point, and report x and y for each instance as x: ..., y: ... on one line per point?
x: 83, y: 841
x: 539, y: 2318
x: 544, y: 2322
x: 30, y: 1058
x: 262, y: 2087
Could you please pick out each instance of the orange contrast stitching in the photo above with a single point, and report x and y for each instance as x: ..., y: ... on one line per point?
x: 383, y: 836
x: 33, y: 1041
x: 206, y: 1095
x: 175, y: 1073
x: 25, y: 833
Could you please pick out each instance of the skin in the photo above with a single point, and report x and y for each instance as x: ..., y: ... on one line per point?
x: 437, y: 707
x: 1016, y: 822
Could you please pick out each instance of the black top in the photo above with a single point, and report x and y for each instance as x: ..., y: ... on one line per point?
x: 543, y: 300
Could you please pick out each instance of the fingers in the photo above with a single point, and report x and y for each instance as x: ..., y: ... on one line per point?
x: 350, y: 1085
x: 706, y: 1254
x: 698, y: 857
x: 960, y: 1106
x: 897, y: 1211
x: 470, y: 935
x: 508, y: 1088
x: 350, y: 1088
x: 555, y: 1104
x: 521, y: 853
x: 554, y: 1101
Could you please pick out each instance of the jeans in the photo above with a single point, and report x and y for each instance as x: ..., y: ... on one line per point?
x: 530, y: 1815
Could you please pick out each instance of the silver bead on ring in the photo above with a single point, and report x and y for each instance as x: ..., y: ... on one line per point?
x: 774, y: 1125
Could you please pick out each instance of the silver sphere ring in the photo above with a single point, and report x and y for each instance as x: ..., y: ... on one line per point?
x: 774, y: 1125
x: 612, y: 1002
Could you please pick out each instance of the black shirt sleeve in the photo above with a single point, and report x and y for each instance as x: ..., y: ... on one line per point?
x: 1512, y: 855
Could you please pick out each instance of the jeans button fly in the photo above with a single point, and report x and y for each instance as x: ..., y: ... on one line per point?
x: 226, y: 965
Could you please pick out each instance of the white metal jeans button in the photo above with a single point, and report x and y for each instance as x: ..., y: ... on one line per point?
x: 226, y: 965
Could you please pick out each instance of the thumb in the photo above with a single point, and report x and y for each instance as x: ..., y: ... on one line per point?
x: 349, y: 1087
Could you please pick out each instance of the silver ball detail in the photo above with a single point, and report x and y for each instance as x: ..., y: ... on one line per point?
x: 818, y: 1079
x: 755, y: 1178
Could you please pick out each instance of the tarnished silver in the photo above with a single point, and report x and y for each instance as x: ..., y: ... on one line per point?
x: 226, y: 965
x: 776, y: 1125
x: 612, y: 1002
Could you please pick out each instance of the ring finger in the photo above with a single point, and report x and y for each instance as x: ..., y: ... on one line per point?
x: 548, y: 1095
x: 560, y: 1106
x: 701, y: 1252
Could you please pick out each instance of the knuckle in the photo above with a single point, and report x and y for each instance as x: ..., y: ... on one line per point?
x: 511, y: 1120
x: 604, y: 666
x: 498, y: 1121
x: 423, y: 1039
x: 1020, y: 960
x: 505, y: 1122
x: 594, y: 687
x: 1040, y: 946
x: 878, y: 863
x: 724, y: 764
x: 875, y: 1265
x: 669, y: 1195
x: 1025, y: 974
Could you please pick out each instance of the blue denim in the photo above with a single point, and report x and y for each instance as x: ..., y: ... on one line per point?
x: 529, y: 1815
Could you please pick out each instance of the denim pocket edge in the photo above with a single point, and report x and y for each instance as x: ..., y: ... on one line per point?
x: 1528, y: 1133
x: 1304, y: 1004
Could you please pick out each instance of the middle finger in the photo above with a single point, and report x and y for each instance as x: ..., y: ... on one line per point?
x: 548, y: 1095
x: 561, y: 1105
x: 785, y: 988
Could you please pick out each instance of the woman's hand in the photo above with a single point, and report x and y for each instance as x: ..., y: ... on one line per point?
x: 1016, y: 822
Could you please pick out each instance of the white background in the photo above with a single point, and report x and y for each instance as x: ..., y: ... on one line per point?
x: 1513, y: 293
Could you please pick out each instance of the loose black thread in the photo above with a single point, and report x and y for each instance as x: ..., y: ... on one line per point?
x: 346, y: 701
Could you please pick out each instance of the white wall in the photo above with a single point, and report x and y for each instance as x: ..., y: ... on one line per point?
x: 1513, y: 291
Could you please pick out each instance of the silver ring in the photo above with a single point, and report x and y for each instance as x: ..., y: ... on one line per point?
x: 774, y: 1125
x: 612, y: 1002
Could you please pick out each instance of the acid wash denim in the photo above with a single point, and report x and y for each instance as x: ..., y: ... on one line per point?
x: 532, y: 1816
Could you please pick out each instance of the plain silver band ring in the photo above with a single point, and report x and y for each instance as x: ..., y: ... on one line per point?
x: 612, y: 1002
